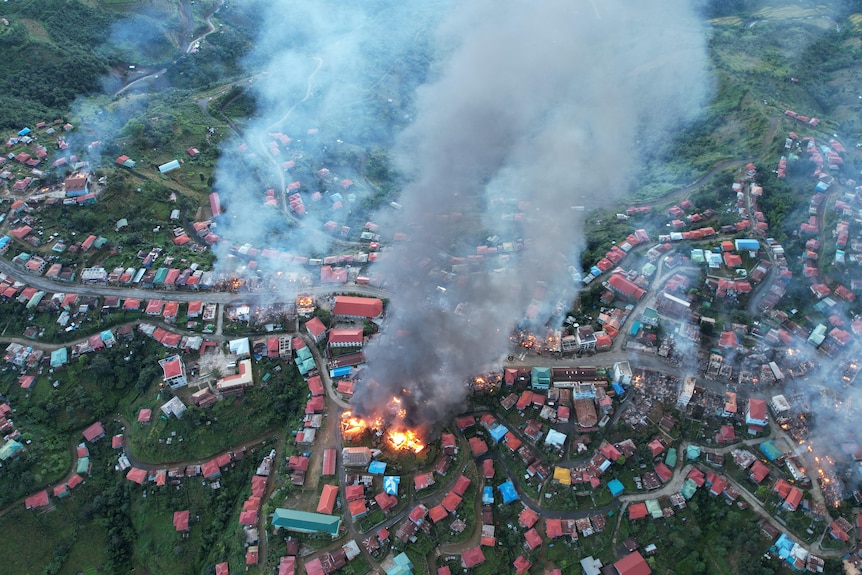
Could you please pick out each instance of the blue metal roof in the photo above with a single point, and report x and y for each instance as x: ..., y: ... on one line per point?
x: 488, y: 495
x: 391, y: 483
x: 507, y: 491
x: 498, y: 432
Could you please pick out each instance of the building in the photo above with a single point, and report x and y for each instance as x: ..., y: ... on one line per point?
x: 315, y: 329
x: 632, y: 564
x: 235, y: 384
x: 356, y: 456
x: 94, y: 433
x: 76, y: 185
x: 585, y: 337
x: 357, y: 307
x: 780, y: 407
x: 174, y: 371
x: 240, y: 347
x: 687, y: 392
x: 623, y: 372
x: 346, y: 337
x: 305, y: 522
x: 625, y: 288
x: 756, y: 415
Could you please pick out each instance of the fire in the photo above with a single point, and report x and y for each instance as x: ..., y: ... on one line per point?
x: 405, y: 439
x: 398, y: 438
x: 352, y: 427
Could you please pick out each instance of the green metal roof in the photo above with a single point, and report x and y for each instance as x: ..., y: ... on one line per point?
x: 306, y: 522
x: 688, y: 488
x: 692, y: 452
x: 670, y: 460
x: 59, y: 357
x: 10, y: 449
x: 303, y: 353
x: 161, y: 274
x: 654, y: 508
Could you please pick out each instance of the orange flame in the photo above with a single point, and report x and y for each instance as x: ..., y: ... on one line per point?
x: 352, y: 427
x: 405, y: 439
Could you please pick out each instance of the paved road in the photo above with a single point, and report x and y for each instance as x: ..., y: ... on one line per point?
x: 182, y: 296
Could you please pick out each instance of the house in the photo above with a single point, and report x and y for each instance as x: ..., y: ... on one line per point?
x: 632, y: 564
x: 521, y: 564
x: 472, y: 557
x: 94, y: 432
x: 756, y: 415
x: 623, y: 370
x: 76, y: 185
x: 37, y: 500
x: 145, y: 415
x: 638, y: 511
x: 725, y: 435
x: 181, y: 521
x: 423, y: 481
x: 758, y: 472
x: 315, y: 329
x: 793, y: 499
x: 326, y: 503
x: 174, y: 371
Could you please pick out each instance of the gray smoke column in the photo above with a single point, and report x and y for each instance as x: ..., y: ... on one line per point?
x: 535, y: 109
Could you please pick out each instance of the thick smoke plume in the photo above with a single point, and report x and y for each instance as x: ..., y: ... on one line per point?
x: 331, y: 77
x: 535, y: 112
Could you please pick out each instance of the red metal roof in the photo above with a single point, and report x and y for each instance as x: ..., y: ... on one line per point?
x: 326, y: 504
x: 472, y: 557
x: 94, y: 432
x: 357, y: 306
x: 329, y: 462
x: 181, y: 520
x: 632, y: 564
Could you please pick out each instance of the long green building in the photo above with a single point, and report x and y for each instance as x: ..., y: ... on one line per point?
x: 305, y: 522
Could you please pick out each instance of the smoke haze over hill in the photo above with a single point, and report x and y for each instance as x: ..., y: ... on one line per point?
x: 537, y: 111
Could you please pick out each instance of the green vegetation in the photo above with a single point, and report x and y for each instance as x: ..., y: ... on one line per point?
x: 229, y: 423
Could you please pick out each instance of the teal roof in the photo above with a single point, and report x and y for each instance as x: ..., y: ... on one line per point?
x: 59, y: 357
x: 10, y: 449
x: 303, y: 353
x: 400, y: 565
x: 83, y: 465
x: 305, y: 522
x: 306, y: 365
x: 541, y: 374
x: 692, y: 452
x: 654, y: 508
x: 35, y: 300
x: 616, y: 487
x: 161, y: 274
x: 770, y: 450
x: 670, y: 459
x: 688, y: 488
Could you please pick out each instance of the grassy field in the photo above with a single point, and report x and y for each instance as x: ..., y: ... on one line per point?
x: 204, y: 433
